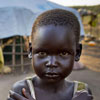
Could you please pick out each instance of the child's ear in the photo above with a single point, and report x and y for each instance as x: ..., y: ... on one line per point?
x: 30, y: 50
x: 78, y: 52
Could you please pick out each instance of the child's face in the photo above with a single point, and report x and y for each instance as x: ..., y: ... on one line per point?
x: 54, y: 48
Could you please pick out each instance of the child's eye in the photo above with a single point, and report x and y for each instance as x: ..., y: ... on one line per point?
x: 42, y: 54
x: 63, y: 53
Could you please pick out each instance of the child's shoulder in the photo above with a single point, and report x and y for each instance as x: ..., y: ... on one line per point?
x: 19, y: 85
x: 81, y: 90
x: 79, y: 86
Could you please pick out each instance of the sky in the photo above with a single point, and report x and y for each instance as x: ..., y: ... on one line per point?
x: 77, y: 2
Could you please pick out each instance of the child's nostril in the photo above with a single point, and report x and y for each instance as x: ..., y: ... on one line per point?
x: 51, y: 66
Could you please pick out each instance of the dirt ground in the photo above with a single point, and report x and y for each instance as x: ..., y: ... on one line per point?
x: 91, y: 56
x: 90, y: 75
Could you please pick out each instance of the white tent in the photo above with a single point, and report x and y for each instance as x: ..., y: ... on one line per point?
x: 17, y: 16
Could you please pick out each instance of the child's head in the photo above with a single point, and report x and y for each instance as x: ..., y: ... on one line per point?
x: 55, y: 42
x: 58, y: 17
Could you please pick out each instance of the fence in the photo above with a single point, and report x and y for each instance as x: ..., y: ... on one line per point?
x: 14, y: 63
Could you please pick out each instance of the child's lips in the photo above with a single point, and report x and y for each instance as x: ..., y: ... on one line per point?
x: 52, y: 75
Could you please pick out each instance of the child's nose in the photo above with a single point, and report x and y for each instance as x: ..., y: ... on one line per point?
x: 52, y: 61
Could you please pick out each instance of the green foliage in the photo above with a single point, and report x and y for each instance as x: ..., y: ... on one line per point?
x: 93, y: 23
x: 95, y: 9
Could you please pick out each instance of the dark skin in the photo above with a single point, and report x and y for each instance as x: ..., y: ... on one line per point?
x: 53, y: 53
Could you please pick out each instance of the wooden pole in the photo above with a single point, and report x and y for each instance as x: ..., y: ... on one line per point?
x: 13, y: 54
x: 22, y: 61
x: 1, y: 42
x: 2, y: 63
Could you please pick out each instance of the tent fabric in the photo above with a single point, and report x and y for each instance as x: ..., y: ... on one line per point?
x: 15, y: 21
x: 17, y: 16
x: 33, y: 5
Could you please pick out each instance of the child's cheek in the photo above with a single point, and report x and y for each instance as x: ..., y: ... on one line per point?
x: 38, y: 61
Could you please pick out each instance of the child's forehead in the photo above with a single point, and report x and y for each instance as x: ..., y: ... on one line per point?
x: 53, y: 31
x: 54, y: 35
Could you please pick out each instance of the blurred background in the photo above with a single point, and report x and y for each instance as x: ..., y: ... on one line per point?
x: 16, y: 19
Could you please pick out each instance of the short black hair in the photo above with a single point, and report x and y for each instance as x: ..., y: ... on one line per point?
x: 58, y: 17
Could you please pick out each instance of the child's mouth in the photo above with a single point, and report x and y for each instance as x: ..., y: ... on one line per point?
x: 52, y: 75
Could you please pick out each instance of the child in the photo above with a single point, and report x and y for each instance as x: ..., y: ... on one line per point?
x: 55, y: 46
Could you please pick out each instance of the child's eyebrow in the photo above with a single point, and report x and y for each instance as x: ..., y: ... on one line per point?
x: 39, y: 49
x: 36, y: 50
x: 66, y: 50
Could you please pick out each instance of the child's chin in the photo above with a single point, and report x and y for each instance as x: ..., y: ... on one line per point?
x: 52, y: 80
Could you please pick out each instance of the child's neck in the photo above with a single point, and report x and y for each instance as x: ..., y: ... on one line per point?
x: 51, y: 86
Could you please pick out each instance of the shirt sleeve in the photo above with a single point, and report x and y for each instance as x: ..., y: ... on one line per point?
x: 82, y: 95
